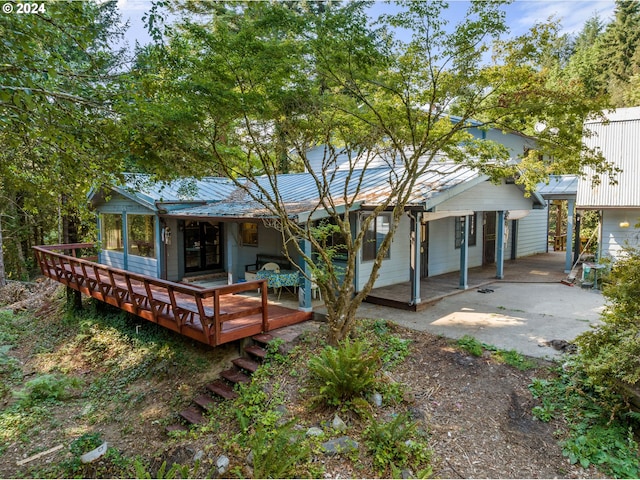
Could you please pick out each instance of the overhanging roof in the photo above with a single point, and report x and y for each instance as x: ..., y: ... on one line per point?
x: 559, y: 187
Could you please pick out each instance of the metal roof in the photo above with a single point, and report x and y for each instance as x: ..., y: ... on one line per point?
x: 560, y: 187
x: 617, y: 138
x: 300, y: 193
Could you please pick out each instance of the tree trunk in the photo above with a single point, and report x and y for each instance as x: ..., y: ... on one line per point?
x: 3, y: 281
x: 70, y: 235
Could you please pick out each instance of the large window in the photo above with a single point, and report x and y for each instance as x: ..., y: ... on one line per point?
x: 142, y: 235
x: 112, y: 232
x: 375, y: 235
x: 460, y: 221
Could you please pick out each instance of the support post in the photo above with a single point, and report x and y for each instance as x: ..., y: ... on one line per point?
x: 304, y: 291
x: 231, y: 232
x: 464, y: 256
x: 500, y: 249
x: 571, y: 207
x: 415, y: 257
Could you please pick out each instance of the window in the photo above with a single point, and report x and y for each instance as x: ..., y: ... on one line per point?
x: 249, y: 234
x: 460, y: 221
x: 142, y: 235
x: 375, y: 235
x: 331, y: 239
x: 112, y: 232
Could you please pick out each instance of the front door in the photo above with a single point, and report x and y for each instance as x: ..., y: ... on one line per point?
x: 202, y: 246
x: 489, y: 238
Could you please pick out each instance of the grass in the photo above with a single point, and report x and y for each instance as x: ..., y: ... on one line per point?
x: 511, y: 357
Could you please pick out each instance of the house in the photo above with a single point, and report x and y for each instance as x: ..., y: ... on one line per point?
x: 619, y: 202
x: 456, y: 219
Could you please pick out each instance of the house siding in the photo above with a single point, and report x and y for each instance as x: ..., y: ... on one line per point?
x: 395, y: 269
x: 488, y: 197
x: 531, y: 234
x: 614, y: 238
x: 172, y: 249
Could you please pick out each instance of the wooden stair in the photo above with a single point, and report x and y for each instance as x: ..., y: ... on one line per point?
x: 242, y: 368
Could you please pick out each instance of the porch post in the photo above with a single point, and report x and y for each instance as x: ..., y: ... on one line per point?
x: 464, y: 255
x: 415, y: 273
x: 571, y: 212
x: 304, y: 291
x: 500, y: 250
x: 231, y: 232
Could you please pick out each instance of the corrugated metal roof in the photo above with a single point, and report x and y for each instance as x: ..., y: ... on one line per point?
x: 618, y: 141
x: 144, y: 189
x: 301, y: 192
x: 559, y: 187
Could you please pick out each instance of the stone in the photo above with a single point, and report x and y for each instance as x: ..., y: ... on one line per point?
x: 250, y: 459
x: 198, y: 456
x: 315, y: 432
x: 376, y: 399
x: 339, y: 445
x: 338, y: 424
x: 222, y: 463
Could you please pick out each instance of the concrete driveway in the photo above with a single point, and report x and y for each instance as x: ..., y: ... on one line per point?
x: 519, y: 316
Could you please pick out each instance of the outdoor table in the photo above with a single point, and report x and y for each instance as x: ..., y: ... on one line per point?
x: 279, y: 279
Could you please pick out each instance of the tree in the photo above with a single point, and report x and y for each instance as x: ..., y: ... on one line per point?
x: 57, y: 86
x: 243, y: 79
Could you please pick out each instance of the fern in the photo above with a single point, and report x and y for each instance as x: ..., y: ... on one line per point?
x: 344, y: 373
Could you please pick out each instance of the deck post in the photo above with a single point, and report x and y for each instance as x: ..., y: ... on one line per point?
x: 416, y: 242
x: 500, y: 249
x: 304, y: 291
x: 571, y: 213
x: 464, y: 255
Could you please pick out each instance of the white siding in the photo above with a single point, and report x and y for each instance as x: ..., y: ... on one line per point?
x: 443, y: 256
x: 488, y: 197
x: 112, y: 258
x: 615, y: 238
x: 532, y: 234
x: 395, y: 269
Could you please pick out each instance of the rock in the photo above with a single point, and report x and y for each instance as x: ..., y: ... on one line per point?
x: 406, y: 474
x: 250, y: 459
x: 338, y: 424
x: 417, y: 413
x: 376, y: 399
x: 340, y: 445
x: 198, y: 456
x: 222, y: 463
x: 315, y: 432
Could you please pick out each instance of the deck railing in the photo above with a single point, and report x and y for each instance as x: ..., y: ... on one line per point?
x: 199, y: 313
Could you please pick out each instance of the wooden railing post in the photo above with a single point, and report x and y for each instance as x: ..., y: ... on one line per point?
x: 265, y: 299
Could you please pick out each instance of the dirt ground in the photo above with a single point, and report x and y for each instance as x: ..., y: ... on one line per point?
x: 477, y: 412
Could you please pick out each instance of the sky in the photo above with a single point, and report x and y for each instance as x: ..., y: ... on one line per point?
x: 521, y: 14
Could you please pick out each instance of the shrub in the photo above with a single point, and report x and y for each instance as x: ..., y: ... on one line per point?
x: 45, y: 388
x: 344, y: 373
x: 393, y: 444
x: 278, y: 453
x: 611, y: 352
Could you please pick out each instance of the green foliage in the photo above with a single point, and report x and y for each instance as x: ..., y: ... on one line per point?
x: 471, y: 345
x: 396, y: 444
x: 175, y: 471
x: 393, y: 349
x: 611, y: 351
x: 279, y: 452
x: 344, y: 373
x: 515, y: 359
x: 45, y: 388
x: 597, y: 433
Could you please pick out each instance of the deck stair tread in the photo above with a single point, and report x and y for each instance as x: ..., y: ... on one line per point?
x: 263, y: 338
x: 204, y: 401
x: 256, y: 351
x: 246, y: 364
x: 235, y: 376
x: 193, y: 415
x: 222, y: 389
x: 176, y: 428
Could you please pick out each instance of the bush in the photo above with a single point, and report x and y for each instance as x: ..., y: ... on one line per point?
x: 470, y: 345
x: 278, y: 453
x: 344, y: 373
x: 611, y: 352
x: 393, y: 444
x: 45, y: 388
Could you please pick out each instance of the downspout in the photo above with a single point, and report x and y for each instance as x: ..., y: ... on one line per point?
x: 414, y: 267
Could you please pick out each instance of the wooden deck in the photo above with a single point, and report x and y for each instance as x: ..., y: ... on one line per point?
x: 213, y: 315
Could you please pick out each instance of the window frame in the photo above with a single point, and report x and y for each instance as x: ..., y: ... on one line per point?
x: 244, y: 226
x: 372, y: 235
x: 104, y: 236
x: 149, y: 250
x: 459, y: 231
